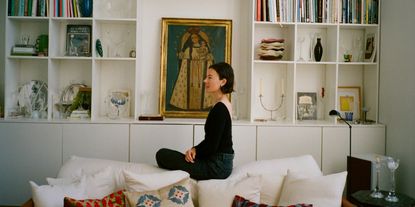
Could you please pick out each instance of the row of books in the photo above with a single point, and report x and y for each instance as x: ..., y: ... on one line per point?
x: 66, y: 8
x: 28, y: 8
x: 360, y: 11
x: 274, y: 10
x: 318, y: 11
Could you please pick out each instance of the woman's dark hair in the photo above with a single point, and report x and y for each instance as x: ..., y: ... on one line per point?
x: 225, y: 71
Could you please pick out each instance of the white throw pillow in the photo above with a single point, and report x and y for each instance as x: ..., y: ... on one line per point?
x: 98, y: 185
x: 305, y: 163
x: 321, y: 191
x: 92, y: 165
x: 53, y: 195
x: 222, y: 192
x: 271, y: 187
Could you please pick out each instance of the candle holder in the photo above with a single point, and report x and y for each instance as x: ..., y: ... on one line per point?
x: 271, y: 110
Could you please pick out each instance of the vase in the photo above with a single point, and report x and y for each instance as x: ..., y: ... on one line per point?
x: 86, y: 8
x: 318, y: 50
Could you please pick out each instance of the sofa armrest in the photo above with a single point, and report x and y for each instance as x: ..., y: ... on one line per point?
x: 347, y: 203
x: 28, y: 203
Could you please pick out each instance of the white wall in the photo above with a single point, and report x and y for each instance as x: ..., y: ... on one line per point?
x: 150, y: 13
x: 2, y: 43
x: 397, y: 87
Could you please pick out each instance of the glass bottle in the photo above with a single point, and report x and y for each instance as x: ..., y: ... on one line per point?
x: 318, y: 50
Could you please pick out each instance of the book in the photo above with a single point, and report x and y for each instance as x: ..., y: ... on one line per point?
x: 78, y: 40
x: 155, y: 117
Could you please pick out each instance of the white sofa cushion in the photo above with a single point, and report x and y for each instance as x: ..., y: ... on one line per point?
x: 53, y: 195
x: 271, y: 187
x: 92, y: 165
x: 321, y: 191
x: 98, y: 185
x: 222, y: 192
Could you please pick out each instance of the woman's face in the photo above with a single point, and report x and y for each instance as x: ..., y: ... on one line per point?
x: 212, y: 81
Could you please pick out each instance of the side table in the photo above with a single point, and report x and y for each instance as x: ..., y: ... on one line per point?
x: 362, y: 198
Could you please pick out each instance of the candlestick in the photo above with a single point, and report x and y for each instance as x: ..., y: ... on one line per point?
x: 260, y: 86
x: 282, y: 87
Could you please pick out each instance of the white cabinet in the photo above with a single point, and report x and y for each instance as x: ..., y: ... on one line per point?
x: 28, y: 151
x: 147, y: 139
x: 365, y: 140
x: 104, y: 141
x: 299, y: 72
x: 243, y: 137
x: 285, y: 141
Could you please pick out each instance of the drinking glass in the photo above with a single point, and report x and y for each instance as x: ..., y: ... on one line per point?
x: 392, y: 164
x: 376, y: 192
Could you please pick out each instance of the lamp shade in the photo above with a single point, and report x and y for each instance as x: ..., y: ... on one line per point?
x: 334, y: 113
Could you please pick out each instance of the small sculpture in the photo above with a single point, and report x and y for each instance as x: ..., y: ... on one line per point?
x: 98, y: 46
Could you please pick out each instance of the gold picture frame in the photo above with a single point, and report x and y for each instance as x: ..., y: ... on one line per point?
x: 349, y: 100
x: 188, y: 47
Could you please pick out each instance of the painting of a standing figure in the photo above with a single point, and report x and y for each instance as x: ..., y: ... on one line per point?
x: 189, y: 47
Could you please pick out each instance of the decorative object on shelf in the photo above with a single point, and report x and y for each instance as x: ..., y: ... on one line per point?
x: 271, y: 110
x: 301, y: 40
x: 370, y: 47
x: 349, y: 100
x: 347, y: 57
x: 188, y: 48
x: 318, y: 50
x: 42, y: 43
x: 307, y: 106
x: 132, y: 54
x: 271, y: 49
x: 78, y: 40
x: 32, y: 99
x: 98, y: 47
x: 66, y: 99
x: 81, y: 105
x: 392, y: 164
x: 86, y: 7
x: 118, y: 104
x: 376, y: 193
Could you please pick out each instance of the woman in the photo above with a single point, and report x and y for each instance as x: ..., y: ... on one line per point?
x: 213, y: 157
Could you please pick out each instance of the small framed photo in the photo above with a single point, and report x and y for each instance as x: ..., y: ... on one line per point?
x: 306, y: 106
x: 349, y: 100
x: 78, y: 40
x: 370, y: 47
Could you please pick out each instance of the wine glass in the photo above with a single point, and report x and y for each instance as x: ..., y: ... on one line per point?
x: 376, y: 192
x: 392, y: 164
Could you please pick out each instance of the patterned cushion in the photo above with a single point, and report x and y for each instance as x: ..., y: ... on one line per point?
x: 239, y: 201
x: 174, y: 195
x: 116, y: 199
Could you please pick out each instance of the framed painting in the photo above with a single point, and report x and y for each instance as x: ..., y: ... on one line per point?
x: 370, y: 47
x: 349, y: 100
x: 188, y: 48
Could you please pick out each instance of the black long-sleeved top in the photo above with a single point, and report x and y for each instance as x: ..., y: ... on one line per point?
x: 218, y: 133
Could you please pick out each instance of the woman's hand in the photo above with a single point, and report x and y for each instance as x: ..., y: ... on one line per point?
x: 190, y: 155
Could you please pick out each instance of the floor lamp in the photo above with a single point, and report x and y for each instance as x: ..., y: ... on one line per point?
x: 336, y: 113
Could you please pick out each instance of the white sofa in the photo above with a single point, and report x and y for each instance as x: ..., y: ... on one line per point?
x: 281, y: 182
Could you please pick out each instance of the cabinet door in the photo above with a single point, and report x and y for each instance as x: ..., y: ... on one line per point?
x: 104, y: 141
x: 146, y: 139
x: 244, y: 141
x: 280, y: 142
x: 365, y: 140
x: 28, y: 151
x: 335, y: 149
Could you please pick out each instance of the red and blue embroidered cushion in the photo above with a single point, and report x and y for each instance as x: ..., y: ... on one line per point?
x: 239, y: 201
x: 116, y: 199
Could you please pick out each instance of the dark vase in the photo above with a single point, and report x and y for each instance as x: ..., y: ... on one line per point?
x: 86, y: 8
x: 318, y: 50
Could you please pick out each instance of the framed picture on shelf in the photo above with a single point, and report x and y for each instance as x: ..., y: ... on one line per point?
x: 188, y: 48
x: 370, y: 47
x: 306, y: 106
x: 78, y: 40
x: 349, y: 100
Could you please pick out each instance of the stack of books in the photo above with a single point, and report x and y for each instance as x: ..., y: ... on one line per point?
x: 27, y: 50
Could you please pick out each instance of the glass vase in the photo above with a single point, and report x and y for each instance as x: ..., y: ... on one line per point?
x: 392, y: 164
x: 318, y: 50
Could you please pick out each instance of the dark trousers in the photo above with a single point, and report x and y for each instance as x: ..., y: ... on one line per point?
x: 218, y: 166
